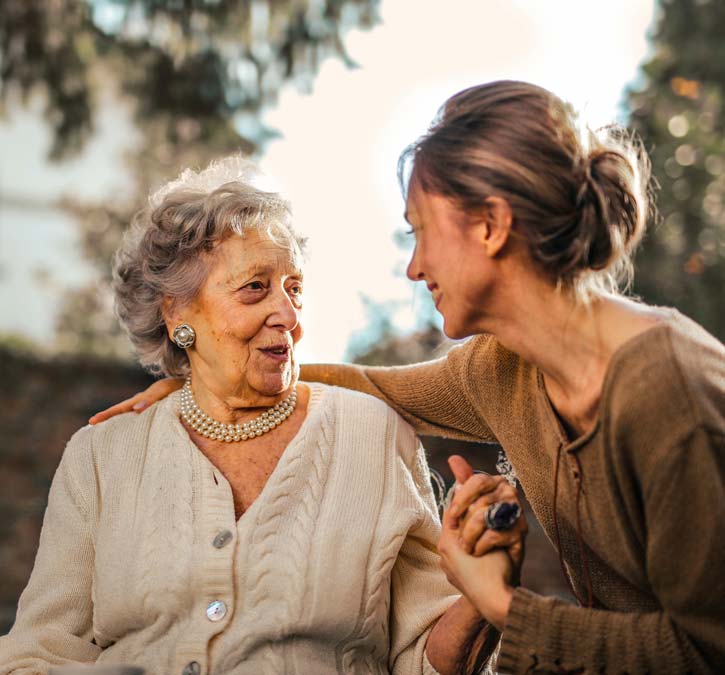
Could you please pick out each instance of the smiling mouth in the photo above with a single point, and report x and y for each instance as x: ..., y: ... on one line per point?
x: 277, y: 352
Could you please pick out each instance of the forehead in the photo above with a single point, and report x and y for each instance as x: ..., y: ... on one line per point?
x: 411, y: 203
x: 257, y: 251
x: 420, y: 204
x: 433, y: 209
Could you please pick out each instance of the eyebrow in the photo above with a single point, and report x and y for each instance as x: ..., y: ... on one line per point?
x: 254, y: 270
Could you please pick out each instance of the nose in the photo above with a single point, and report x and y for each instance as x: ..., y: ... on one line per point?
x: 284, y: 314
x: 414, y: 271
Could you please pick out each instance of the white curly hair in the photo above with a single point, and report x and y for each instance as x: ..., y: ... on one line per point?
x: 165, y: 252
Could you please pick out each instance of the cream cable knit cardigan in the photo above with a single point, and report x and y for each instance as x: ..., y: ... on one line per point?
x: 331, y: 570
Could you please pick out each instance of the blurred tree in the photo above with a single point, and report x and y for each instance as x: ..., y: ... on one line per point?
x: 679, y: 113
x: 380, y: 344
x: 394, y: 350
x: 198, y: 75
x: 199, y: 66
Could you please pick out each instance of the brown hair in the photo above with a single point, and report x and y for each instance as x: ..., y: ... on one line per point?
x: 579, y: 199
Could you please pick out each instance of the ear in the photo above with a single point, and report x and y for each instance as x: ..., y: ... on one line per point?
x: 170, y: 315
x: 498, y: 219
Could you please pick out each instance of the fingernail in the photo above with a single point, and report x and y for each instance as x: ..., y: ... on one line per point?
x: 138, y: 407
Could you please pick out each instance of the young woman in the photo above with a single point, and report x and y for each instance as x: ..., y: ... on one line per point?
x: 611, y: 412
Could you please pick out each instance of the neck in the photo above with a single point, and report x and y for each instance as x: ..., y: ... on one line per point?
x: 570, y: 343
x: 234, y: 407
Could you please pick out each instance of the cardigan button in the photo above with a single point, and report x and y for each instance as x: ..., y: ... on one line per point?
x: 216, y: 610
x: 222, y: 539
x: 192, y: 668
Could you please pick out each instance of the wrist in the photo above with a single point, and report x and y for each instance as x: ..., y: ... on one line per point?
x: 505, y: 600
x: 494, y: 605
x: 469, y: 612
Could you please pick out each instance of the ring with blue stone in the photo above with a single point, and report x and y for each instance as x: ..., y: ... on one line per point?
x: 502, y: 516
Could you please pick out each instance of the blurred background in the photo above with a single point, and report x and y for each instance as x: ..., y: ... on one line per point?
x: 103, y: 100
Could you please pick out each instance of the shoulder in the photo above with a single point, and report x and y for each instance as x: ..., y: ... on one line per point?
x: 364, y: 417
x: 665, y: 383
x: 676, y: 364
x: 485, y: 354
x: 350, y: 402
x: 124, y: 434
x: 699, y: 359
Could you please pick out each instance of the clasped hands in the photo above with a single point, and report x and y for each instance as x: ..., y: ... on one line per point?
x: 483, y: 564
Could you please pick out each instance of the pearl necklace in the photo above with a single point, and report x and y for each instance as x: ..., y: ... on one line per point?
x: 200, y: 422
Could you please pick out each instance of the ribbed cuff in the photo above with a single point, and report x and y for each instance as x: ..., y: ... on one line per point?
x: 518, y: 651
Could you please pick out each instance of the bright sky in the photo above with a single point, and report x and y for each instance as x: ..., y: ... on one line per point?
x: 337, y: 158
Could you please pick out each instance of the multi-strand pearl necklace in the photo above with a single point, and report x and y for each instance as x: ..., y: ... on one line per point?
x: 200, y: 422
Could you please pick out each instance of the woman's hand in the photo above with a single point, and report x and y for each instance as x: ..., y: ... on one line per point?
x: 473, y: 495
x: 483, y: 564
x: 139, y: 402
x: 484, y: 580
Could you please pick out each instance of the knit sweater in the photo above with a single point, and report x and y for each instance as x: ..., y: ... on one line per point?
x: 650, y: 477
x: 332, y: 569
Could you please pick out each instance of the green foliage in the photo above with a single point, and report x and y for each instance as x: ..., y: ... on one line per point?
x: 212, y: 62
x: 12, y: 342
x: 198, y: 74
x: 679, y: 113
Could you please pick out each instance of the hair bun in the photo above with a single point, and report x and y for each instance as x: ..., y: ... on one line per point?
x: 609, y: 207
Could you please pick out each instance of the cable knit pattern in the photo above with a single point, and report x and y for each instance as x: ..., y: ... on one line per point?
x: 169, y: 524
x: 300, y: 478
x: 305, y: 518
x: 375, y: 613
x: 330, y: 570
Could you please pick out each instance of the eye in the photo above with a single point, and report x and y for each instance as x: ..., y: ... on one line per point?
x: 295, y: 290
x: 253, y: 286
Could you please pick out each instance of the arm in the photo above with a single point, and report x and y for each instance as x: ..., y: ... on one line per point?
x: 54, y: 617
x: 459, y: 637
x: 462, y: 641
x: 139, y: 402
x: 685, y: 518
x: 431, y: 396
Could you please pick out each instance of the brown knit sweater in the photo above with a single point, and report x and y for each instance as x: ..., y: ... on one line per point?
x: 651, y: 506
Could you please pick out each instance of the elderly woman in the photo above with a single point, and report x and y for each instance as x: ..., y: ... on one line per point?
x: 244, y: 524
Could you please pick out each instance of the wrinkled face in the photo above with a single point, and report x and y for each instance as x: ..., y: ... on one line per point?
x: 247, y: 319
x: 450, y: 259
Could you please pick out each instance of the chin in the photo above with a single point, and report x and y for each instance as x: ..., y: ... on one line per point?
x: 455, y: 331
x: 274, y: 385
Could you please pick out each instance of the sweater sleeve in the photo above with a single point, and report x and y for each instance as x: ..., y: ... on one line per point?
x: 419, y: 589
x: 434, y: 397
x: 54, y: 616
x: 685, y: 523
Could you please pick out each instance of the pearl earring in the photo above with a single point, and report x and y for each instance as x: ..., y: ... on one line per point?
x: 184, y: 336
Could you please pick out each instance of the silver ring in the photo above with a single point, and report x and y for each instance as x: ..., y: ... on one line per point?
x: 502, y: 516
